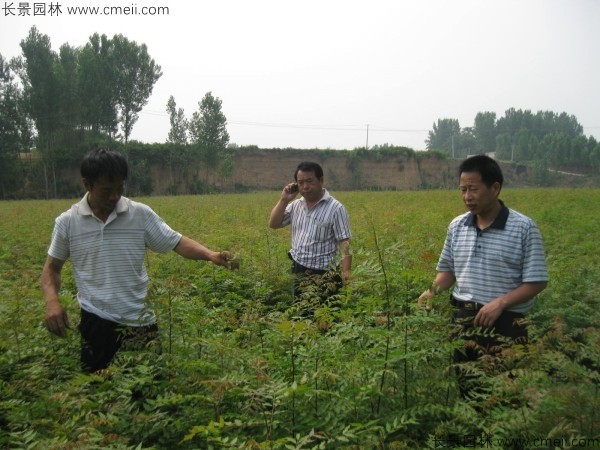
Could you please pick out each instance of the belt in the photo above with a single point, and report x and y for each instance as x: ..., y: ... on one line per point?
x: 471, y: 306
x: 299, y: 268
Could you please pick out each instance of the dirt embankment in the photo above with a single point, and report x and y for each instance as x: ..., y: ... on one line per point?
x: 272, y: 169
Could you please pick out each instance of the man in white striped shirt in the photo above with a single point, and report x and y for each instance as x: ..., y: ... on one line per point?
x: 320, y: 232
x: 494, y: 258
x: 106, y: 235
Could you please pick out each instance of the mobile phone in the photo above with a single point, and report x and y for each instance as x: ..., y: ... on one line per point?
x: 294, y: 188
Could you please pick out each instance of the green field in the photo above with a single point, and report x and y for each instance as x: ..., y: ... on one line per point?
x: 239, y: 370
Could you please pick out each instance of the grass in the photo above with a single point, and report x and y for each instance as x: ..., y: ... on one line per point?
x: 238, y: 370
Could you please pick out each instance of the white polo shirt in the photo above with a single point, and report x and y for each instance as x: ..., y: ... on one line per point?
x: 108, y: 258
x: 316, y: 232
x: 489, y: 263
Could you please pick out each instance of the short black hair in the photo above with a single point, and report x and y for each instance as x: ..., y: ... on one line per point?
x: 308, y: 166
x: 485, y: 166
x: 104, y: 162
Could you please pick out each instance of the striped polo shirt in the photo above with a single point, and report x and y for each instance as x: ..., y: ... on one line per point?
x: 316, y: 232
x: 108, y: 258
x: 489, y: 263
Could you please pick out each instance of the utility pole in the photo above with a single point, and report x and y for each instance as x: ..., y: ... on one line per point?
x: 367, y: 145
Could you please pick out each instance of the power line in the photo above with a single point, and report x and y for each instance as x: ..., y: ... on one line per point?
x: 360, y: 128
x: 304, y: 126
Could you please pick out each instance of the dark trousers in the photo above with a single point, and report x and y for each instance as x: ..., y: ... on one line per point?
x: 101, y: 339
x: 323, y: 283
x: 312, y: 288
x: 507, y: 330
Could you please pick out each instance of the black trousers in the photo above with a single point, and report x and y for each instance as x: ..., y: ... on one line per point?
x: 320, y: 283
x: 101, y: 339
x: 507, y: 330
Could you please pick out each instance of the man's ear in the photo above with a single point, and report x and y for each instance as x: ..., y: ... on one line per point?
x: 86, y: 184
x: 497, y: 187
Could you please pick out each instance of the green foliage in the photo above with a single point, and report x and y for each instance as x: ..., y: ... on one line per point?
x: 77, y: 97
x: 238, y: 369
x: 547, y: 138
x: 208, y: 130
x: 135, y: 73
x: 15, y: 130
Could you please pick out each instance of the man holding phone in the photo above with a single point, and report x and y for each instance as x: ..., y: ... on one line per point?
x: 320, y: 252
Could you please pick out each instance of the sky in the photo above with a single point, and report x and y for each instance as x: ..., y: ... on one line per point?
x: 343, y: 74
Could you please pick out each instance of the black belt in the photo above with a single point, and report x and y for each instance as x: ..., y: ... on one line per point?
x: 471, y: 306
x: 299, y: 268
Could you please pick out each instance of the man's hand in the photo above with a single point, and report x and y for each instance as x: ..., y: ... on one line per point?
x: 57, y: 320
x: 232, y: 262
x: 486, y: 317
x: 289, y: 192
x: 425, y: 297
x: 346, y: 276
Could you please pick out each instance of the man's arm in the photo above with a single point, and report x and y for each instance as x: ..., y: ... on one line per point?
x: 344, y: 246
x: 443, y: 281
x: 57, y: 320
x: 487, y: 315
x: 278, y: 211
x: 190, y: 249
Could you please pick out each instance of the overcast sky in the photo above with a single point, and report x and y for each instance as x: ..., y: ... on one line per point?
x: 319, y: 74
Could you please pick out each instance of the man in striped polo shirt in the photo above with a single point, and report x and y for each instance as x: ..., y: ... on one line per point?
x: 106, y: 236
x: 320, y: 233
x: 494, y: 258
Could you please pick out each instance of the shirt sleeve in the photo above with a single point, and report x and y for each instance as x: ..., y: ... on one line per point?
x: 159, y: 236
x: 446, y: 261
x: 534, y: 263
x: 287, y: 215
x: 341, y: 224
x: 59, y: 243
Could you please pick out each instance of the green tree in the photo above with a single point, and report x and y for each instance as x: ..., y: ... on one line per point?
x: 179, y: 124
x: 484, y: 131
x: 97, y: 86
x: 41, y: 90
x: 15, y: 130
x: 208, y: 130
x: 444, y: 136
x: 594, y: 154
x: 135, y: 75
x: 68, y: 100
x: 178, y: 152
x: 504, y: 147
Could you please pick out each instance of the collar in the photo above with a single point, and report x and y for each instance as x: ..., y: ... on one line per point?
x: 499, y: 222
x: 83, y: 207
x: 324, y: 198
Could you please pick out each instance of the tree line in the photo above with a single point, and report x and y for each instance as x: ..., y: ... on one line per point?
x: 64, y: 103
x: 545, y: 138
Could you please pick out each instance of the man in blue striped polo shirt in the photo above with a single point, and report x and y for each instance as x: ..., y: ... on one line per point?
x: 494, y: 258
x: 106, y: 236
x: 320, y: 233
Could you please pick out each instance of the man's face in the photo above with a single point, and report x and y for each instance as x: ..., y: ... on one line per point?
x: 477, y: 196
x: 104, y: 194
x: 309, y: 186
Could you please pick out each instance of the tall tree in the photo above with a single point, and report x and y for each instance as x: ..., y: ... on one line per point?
x: 179, y: 124
x: 484, y: 131
x: 208, y: 130
x: 41, y: 89
x: 178, y: 152
x: 15, y: 130
x: 444, y: 136
x: 68, y: 100
x: 97, y: 85
x: 136, y: 74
